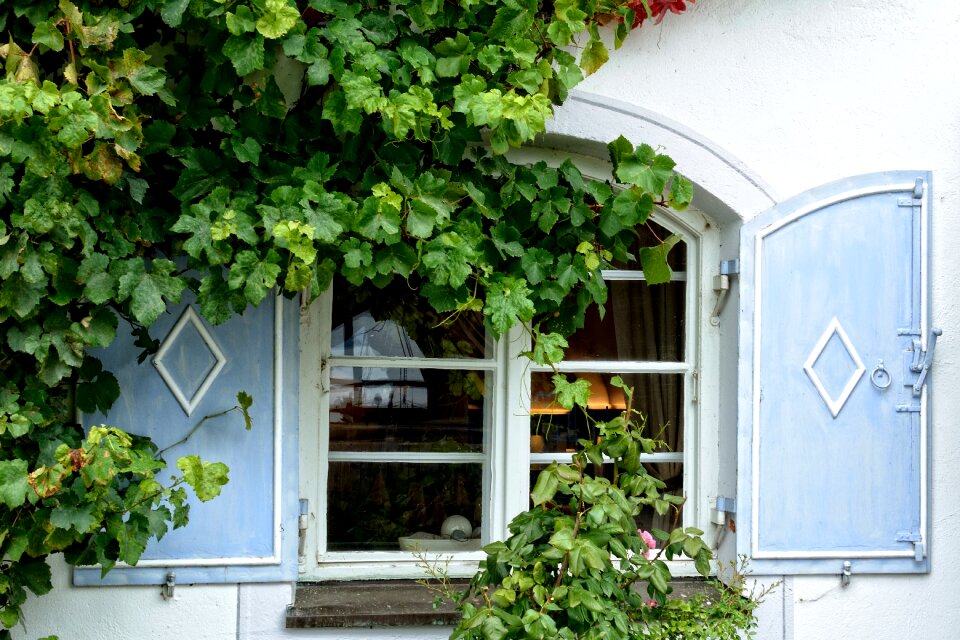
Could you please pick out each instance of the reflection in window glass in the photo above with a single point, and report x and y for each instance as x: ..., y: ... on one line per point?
x: 413, y: 409
x: 397, y: 321
x: 640, y: 322
x: 371, y: 506
x: 659, y: 397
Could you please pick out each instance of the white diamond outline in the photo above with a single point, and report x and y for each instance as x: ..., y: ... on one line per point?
x: 189, y: 316
x: 835, y: 405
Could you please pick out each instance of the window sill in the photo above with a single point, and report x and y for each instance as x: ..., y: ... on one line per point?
x: 368, y: 603
x: 394, y: 603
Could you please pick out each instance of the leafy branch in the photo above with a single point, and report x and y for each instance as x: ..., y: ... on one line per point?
x: 244, y: 401
x: 148, y: 149
x: 575, y: 565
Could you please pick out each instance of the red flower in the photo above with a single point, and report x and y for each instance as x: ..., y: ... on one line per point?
x: 658, y: 9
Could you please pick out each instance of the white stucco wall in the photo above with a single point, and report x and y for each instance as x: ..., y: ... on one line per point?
x: 802, y: 93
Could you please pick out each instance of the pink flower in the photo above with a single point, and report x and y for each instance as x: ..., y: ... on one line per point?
x: 650, y: 541
x: 651, y: 603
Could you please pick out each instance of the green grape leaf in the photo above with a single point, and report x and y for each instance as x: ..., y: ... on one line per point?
x: 247, y: 151
x: 654, y: 260
x: 255, y: 276
x: 173, y: 10
x: 646, y: 170
x: 507, y: 302
x: 77, y: 517
x: 279, y: 18
x: 594, y: 56
x: 245, y: 54
x: 13, y: 482
x: 243, y: 21
x: 548, y: 348
x: 681, y: 193
x: 148, y: 291
x: 206, y: 478
x: 573, y: 393
x: 47, y: 34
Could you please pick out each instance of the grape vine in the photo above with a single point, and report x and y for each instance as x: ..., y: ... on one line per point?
x: 234, y: 147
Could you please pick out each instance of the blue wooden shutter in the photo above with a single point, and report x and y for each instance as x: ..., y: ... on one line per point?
x: 832, y: 434
x: 248, y: 533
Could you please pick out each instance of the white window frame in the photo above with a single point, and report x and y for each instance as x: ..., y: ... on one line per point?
x: 700, y: 405
x: 507, y: 445
x: 315, y: 562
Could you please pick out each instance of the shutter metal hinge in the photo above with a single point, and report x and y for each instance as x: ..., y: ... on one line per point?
x: 727, y: 504
x: 303, y: 522
x: 695, y: 383
x: 724, y: 507
x: 324, y: 376
x: 730, y: 267
x: 721, y: 285
x: 916, y: 539
x: 916, y: 196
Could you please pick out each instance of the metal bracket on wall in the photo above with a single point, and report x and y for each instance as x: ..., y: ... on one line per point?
x: 846, y: 573
x: 721, y: 284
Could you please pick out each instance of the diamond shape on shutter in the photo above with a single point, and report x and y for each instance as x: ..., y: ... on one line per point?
x: 834, y: 402
x: 189, y: 360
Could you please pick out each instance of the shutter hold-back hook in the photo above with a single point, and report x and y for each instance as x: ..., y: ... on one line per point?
x: 166, y: 589
x: 845, y: 574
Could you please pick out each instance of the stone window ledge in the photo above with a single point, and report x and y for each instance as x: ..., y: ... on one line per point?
x: 368, y: 603
x: 391, y: 603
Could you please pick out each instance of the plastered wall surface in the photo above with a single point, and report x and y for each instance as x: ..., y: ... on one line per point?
x: 801, y: 92
x: 805, y: 93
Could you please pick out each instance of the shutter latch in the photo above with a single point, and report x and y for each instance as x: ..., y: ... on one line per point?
x: 917, y: 363
x: 922, y: 364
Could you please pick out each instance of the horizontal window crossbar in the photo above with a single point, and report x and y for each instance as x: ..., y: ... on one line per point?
x: 610, y: 366
x: 546, y: 458
x: 417, y: 457
x: 624, y: 274
x: 467, y: 364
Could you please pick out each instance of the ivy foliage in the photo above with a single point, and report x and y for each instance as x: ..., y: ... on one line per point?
x: 236, y: 147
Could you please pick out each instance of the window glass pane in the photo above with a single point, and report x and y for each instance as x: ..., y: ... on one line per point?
x: 396, y: 321
x: 406, y: 409
x: 371, y: 506
x: 659, y: 397
x: 642, y: 322
x: 649, y: 235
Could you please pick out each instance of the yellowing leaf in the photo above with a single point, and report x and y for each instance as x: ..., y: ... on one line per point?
x: 206, y: 478
x: 278, y: 20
